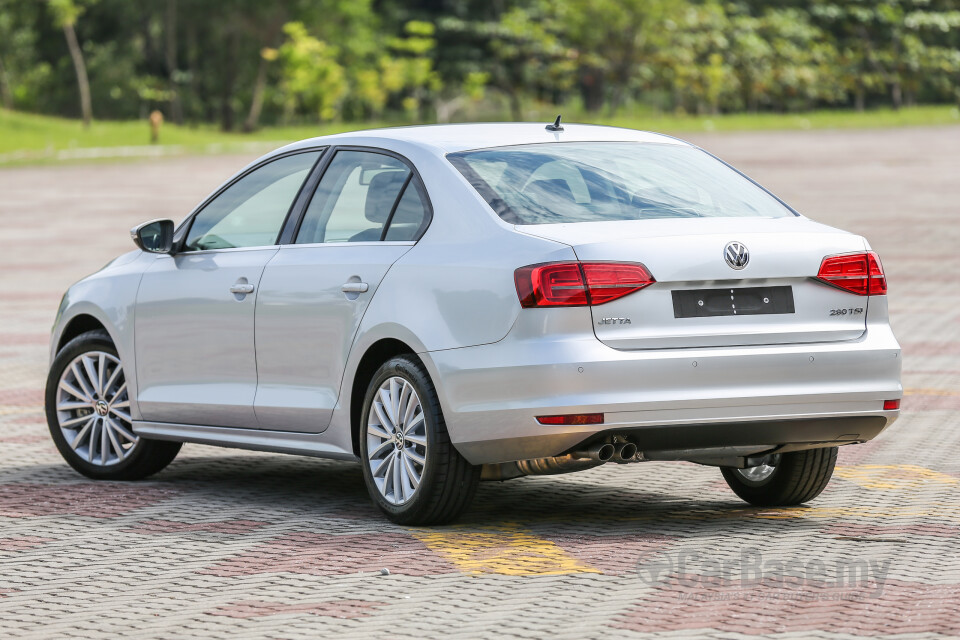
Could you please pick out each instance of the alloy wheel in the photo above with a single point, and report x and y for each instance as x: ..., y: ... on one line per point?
x: 93, y: 409
x: 396, y: 440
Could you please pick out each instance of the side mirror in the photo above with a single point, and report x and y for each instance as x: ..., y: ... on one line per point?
x: 155, y: 236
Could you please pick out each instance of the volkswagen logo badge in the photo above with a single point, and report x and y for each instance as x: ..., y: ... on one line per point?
x: 736, y: 255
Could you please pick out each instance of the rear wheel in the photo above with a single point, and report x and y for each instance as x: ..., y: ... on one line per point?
x: 88, y: 412
x: 412, y: 470
x: 784, y: 479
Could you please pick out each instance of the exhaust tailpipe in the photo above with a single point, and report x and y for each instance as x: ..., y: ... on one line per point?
x: 601, y: 452
x: 625, y: 452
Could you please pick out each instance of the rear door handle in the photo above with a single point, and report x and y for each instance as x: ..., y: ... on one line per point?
x: 355, y: 287
x: 241, y: 289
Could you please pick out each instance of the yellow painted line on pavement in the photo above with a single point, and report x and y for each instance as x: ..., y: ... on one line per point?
x: 893, y: 476
x: 505, y: 549
x: 924, y: 511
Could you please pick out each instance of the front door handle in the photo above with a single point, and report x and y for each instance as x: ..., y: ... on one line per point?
x: 241, y: 289
x: 355, y: 287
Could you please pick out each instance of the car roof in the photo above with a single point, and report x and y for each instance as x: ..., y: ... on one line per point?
x: 450, y: 138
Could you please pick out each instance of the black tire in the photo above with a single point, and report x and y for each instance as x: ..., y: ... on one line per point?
x: 798, y: 477
x: 146, y: 457
x: 448, y: 482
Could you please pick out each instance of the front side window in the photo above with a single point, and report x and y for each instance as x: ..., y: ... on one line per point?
x: 360, y: 194
x: 251, y: 211
x: 596, y: 181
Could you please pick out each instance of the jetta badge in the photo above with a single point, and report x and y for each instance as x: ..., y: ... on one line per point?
x: 736, y: 255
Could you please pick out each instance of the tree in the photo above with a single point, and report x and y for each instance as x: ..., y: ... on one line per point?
x: 65, y: 15
x: 311, y: 76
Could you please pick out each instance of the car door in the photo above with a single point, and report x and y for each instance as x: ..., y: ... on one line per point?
x: 367, y: 211
x: 194, y: 317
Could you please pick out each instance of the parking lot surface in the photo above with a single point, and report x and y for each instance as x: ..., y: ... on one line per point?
x: 236, y: 544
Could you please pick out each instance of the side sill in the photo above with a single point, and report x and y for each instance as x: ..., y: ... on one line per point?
x: 254, y: 439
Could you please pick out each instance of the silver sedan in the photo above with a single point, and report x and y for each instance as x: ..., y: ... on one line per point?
x: 458, y: 303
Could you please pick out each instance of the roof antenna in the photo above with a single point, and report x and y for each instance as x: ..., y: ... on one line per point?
x: 556, y: 126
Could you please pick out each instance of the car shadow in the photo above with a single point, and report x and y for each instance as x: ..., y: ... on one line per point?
x: 669, y: 500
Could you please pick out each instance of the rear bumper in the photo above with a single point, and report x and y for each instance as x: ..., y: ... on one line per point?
x: 798, y: 396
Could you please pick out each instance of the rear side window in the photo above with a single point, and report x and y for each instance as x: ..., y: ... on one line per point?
x: 359, y: 196
x: 596, y: 181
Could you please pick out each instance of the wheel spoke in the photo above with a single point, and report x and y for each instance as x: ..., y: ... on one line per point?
x: 383, y: 447
x: 119, y: 391
x: 409, y: 427
x: 76, y: 393
x: 83, y: 432
x: 111, y: 380
x: 116, y: 444
x: 101, y: 366
x: 385, y: 422
x: 93, y: 377
x: 399, y: 494
x: 69, y: 424
x: 121, y: 405
x: 394, y: 399
x: 420, y: 440
x: 416, y: 457
x: 94, y: 434
x: 82, y: 380
x: 104, y: 442
x: 123, y: 415
x: 403, y: 404
x: 412, y: 477
x: 72, y: 406
x: 384, y: 466
x: 388, y: 479
x: 377, y: 430
x: 128, y: 435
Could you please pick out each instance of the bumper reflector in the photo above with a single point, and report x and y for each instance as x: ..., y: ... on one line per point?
x: 891, y: 405
x: 572, y: 418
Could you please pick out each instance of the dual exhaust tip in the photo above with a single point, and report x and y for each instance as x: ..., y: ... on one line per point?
x: 607, y: 452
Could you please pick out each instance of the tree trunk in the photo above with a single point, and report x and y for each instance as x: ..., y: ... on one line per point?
x: 229, y: 72
x: 81, y: 68
x: 859, y: 98
x: 896, y: 95
x: 516, y: 111
x: 176, y: 108
x: 6, y: 95
x: 256, y: 104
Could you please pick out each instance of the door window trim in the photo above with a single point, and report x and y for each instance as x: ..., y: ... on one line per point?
x: 183, y: 230
x: 288, y: 236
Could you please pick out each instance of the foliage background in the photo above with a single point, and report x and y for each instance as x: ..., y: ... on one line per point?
x: 245, y: 64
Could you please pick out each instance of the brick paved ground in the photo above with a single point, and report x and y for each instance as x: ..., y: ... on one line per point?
x: 234, y: 544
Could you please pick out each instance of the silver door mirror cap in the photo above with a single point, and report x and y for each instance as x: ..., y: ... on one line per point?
x: 155, y: 236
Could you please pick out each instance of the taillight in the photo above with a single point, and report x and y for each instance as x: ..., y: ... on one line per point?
x: 859, y: 273
x: 577, y: 284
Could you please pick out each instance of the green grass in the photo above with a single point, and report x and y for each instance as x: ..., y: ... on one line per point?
x: 29, y: 138
x: 824, y: 119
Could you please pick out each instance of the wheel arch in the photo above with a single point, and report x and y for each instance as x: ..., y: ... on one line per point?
x: 376, y: 354
x: 78, y: 325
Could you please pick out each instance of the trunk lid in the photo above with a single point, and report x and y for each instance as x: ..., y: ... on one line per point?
x: 699, y: 300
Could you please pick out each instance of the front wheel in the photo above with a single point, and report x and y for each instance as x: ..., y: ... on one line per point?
x: 412, y: 470
x: 88, y: 412
x: 784, y: 479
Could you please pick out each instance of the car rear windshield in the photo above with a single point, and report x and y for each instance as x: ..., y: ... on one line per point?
x: 595, y: 181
